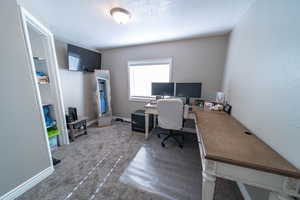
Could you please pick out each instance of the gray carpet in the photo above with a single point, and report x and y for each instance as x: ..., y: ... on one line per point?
x: 97, y: 161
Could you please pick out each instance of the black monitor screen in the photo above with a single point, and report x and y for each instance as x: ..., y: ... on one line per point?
x: 188, y: 90
x: 162, y: 89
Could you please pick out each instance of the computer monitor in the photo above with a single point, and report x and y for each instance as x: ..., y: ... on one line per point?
x: 162, y: 89
x: 188, y: 90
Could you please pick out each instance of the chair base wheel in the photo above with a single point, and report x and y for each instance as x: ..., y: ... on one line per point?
x: 163, y: 145
x: 158, y: 135
x: 181, y: 146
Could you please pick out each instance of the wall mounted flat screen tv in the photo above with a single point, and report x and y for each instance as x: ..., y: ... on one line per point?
x: 84, y: 60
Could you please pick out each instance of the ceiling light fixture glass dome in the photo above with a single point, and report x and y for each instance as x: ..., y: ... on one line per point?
x: 120, y: 15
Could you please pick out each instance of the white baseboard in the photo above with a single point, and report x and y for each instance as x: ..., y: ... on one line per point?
x: 14, y: 193
x: 123, y: 118
x: 244, y: 191
x: 90, y: 122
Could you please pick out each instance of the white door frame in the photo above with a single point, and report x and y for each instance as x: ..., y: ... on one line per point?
x: 55, y: 85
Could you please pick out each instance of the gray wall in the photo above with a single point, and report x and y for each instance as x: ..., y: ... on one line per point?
x: 78, y: 88
x: 262, y: 76
x: 23, y: 146
x: 199, y: 60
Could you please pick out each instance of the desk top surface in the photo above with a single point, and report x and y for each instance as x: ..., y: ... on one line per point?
x: 224, y: 140
x: 150, y: 105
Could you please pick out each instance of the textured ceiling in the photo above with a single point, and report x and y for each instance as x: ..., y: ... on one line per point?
x: 88, y: 22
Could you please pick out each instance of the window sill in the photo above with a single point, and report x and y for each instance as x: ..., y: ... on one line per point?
x: 141, y: 99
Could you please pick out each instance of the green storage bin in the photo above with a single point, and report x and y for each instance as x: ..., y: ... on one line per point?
x: 52, y: 132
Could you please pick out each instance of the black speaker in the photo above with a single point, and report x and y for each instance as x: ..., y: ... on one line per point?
x: 227, y: 109
x: 138, y: 121
x: 73, y: 114
x: 68, y: 120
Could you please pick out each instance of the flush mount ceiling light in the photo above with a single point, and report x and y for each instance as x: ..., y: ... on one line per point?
x: 120, y: 15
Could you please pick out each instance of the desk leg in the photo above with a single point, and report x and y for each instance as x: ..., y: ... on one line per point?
x: 146, y: 126
x: 154, y: 121
x: 85, y: 127
x: 208, y: 186
x: 277, y: 196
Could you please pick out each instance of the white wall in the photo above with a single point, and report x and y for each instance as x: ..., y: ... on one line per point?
x: 195, y: 60
x: 23, y: 146
x: 262, y: 78
x: 78, y: 88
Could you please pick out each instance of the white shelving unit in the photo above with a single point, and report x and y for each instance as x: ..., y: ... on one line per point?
x: 41, y: 50
x: 41, y: 67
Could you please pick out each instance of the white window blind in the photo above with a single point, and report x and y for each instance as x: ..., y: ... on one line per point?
x: 142, y: 74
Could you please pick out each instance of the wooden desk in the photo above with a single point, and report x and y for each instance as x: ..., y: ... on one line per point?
x: 227, y: 152
x: 152, y: 109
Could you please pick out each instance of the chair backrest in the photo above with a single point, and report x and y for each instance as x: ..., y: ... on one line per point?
x: 170, y: 113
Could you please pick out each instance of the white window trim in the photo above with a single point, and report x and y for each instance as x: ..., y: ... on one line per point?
x: 147, y: 62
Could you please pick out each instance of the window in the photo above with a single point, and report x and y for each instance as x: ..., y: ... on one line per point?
x: 143, y: 73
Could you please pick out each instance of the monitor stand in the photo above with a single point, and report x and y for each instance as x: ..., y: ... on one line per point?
x: 159, y: 97
x: 187, y: 101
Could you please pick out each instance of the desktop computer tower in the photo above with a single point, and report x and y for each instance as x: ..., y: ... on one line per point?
x: 138, y: 121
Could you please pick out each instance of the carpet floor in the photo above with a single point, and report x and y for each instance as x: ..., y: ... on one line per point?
x: 92, y: 165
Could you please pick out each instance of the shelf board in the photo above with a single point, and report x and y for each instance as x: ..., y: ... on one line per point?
x: 43, y: 83
x: 46, y: 104
x: 39, y: 58
x: 50, y: 126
